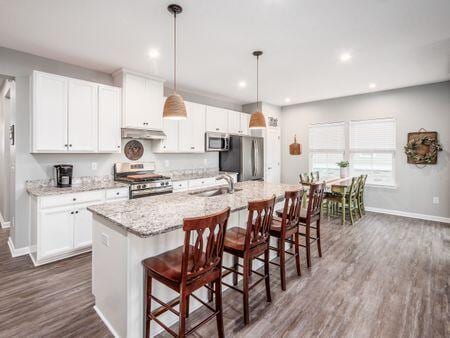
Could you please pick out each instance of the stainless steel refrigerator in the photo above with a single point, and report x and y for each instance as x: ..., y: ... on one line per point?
x: 245, y: 157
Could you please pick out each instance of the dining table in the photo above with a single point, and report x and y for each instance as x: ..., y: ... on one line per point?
x: 335, y: 185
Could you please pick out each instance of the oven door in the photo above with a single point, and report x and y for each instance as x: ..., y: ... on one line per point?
x: 217, y: 142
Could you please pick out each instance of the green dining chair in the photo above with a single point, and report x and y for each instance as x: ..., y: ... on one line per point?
x: 362, y: 186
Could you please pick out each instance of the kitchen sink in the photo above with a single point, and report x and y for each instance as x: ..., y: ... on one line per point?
x: 212, y: 192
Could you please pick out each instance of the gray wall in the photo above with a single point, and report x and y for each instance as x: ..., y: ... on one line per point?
x: 38, y: 166
x: 426, y: 106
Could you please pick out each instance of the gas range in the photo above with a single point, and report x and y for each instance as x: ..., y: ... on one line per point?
x: 142, y: 179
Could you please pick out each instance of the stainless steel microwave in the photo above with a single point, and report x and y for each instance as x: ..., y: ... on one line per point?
x: 217, y: 142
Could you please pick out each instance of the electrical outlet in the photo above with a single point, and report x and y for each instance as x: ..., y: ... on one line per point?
x: 205, y: 161
x: 167, y: 163
x: 435, y: 200
x: 105, y: 239
x: 94, y: 165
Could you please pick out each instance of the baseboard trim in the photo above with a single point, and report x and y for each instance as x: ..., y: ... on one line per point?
x: 409, y: 214
x: 3, y: 223
x: 17, y: 252
x: 106, y: 322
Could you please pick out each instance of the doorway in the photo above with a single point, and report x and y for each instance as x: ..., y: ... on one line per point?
x: 7, y: 95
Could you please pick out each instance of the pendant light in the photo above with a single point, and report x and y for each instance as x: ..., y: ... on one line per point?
x: 257, y: 120
x: 174, y: 108
x: 295, y: 148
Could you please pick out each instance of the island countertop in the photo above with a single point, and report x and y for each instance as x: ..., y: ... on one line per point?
x: 150, y: 216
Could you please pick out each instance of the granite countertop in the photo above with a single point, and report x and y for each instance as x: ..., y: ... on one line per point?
x: 150, y: 216
x: 196, y: 175
x: 41, y: 188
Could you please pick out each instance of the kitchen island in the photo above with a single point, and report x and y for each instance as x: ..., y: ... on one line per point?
x: 125, y: 233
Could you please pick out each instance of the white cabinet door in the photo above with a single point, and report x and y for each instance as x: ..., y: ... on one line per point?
x: 82, y: 116
x: 49, y: 113
x: 216, y: 119
x: 135, y: 102
x: 192, y: 130
x: 273, y: 150
x: 82, y: 229
x: 109, y: 119
x: 55, y: 235
x: 245, y: 120
x: 234, y: 122
x: 180, y: 186
x: 154, y: 97
x: 170, y: 144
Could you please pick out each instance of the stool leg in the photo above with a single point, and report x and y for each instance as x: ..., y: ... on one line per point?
x: 219, y: 316
x: 308, y: 245
x: 210, y: 294
x: 147, y: 303
x: 267, y: 276
x: 246, y: 290
x: 188, y: 298
x: 297, y: 253
x: 282, y: 254
x: 235, y: 267
x: 182, y: 317
x: 319, y: 247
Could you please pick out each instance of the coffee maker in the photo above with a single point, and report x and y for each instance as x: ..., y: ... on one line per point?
x: 63, y: 175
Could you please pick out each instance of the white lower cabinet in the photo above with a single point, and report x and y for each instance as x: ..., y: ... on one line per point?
x: 62, y: 225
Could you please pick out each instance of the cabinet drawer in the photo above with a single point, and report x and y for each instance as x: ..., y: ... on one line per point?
x: 202, y: 182
x: 180, y: 186
x: 70, y: 199
x: 117, y: 193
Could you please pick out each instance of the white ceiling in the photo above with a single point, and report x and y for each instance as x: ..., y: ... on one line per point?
x: 394, y: 43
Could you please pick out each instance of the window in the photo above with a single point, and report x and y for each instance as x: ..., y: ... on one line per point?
x: 372, y: 150
x: 326, y: 148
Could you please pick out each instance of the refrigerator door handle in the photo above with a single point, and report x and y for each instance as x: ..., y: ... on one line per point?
x: 253, y: 157
x: 256, y: 158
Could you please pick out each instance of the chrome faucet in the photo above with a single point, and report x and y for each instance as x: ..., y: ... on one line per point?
x: 229, y: 180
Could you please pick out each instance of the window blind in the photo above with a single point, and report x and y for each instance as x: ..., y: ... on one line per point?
x: 372, y: 135
x: 327, y: 136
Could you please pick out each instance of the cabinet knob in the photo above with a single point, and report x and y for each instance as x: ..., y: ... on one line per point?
x: 164, y: 147
x: 118, y: 147
x: 76, y: 212
x: 71, y: 213
x: 117, y: 193
x: 192, y: 147
x: 70, y: 145
x: 66, y: 145
x: 217, y: 128
x: 74, y: 199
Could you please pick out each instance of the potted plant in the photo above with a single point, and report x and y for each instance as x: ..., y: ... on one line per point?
x: 344, y: 168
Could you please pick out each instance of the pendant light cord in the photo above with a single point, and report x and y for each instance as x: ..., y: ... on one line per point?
x: 175, y: 52
x: 257, y: 82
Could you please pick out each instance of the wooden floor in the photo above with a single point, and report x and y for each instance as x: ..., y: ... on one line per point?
x: 386, y: 276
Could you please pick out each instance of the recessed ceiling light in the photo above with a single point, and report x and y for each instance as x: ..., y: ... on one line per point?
x: 372, y: 85
x: 242, y: 84
x: 345, y: 57
x: 287, y: 100
x: 153, y: 53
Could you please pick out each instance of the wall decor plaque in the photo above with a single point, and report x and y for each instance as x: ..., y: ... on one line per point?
x: 422, y: 147
x: 134, y: 150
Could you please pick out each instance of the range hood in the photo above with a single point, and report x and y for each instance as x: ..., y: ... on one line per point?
x: 142, y: 133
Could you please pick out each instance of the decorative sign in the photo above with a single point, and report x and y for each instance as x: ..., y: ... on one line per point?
x: 422, y: 147
x: 273, y: 122
x: 134, y: 150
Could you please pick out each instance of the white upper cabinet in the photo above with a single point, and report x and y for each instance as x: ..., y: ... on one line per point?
x: 234, y: 122
x: 109, y: 119
x: 170, y: 143
x: 70, y: 115
x: 192, y: 130
x: 49, y: 105
x: 142, y: 100
x: 245, y: 120
x: 216, y: 119
x: 82, y: 116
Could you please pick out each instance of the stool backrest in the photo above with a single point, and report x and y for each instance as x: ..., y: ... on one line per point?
x: 354, y: 186
x: 315, y: 176
x: 315, y: 199
x: 208, y: 234
x: 291, y: 210
x: 260, y: 215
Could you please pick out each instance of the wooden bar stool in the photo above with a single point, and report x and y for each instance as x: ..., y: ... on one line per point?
x: 186, y: 269
x: 310, y: 216
x: 285, y: 229
x: 248, y: 244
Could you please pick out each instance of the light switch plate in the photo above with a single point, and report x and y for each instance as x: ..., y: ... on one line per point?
x: 105, y: 239
x: 167, y: 163
x: 435, y: 200
x: 94, y: 165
